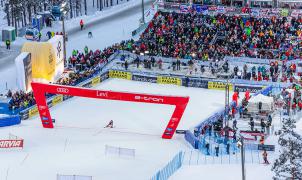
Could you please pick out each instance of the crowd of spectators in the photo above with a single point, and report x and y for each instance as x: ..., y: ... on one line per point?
x: 207, y: 37
x: 195, y: 36
x: 20, y: 100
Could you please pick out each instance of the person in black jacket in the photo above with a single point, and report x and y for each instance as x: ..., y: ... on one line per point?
x: 177, y: 64
x: 217, y: 150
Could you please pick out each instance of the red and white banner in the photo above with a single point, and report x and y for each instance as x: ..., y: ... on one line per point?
x: 40, y: 90
x: 11, y: 143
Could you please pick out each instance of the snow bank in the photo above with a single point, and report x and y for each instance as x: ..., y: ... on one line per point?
x: 225, y: 172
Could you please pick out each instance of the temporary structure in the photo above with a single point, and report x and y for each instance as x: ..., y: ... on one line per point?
x: 260, y: 103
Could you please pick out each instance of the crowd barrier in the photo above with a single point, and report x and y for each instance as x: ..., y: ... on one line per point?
x: 247, y: 60
x: 9, y: 120
x: 170, y: 168
x: 235, y: 61
x: 220, y: 9
x: 164, y: 59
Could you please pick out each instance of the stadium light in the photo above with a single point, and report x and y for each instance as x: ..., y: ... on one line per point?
x: 143, y: 12
x: 64, y: 11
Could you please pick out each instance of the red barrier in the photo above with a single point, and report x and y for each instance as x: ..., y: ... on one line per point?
x: 39, y: 91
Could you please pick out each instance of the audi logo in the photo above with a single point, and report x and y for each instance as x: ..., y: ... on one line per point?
x: 62, y: 90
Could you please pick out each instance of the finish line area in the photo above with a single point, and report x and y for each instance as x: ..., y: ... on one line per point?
x: 79, y: 138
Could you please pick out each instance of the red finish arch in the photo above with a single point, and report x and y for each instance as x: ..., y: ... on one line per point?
x: 40, y: 89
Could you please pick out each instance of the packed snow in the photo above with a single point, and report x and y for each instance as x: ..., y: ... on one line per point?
x: 225, y: 172
x: 76, y: 145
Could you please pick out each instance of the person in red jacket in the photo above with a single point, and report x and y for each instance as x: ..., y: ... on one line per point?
x: 259, y: 76
x: 235, y: 98
x: 247, y: 95
x: 300, y: 105
x: 82, y: 24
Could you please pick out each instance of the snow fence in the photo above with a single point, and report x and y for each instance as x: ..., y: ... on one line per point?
x: 170, y: 168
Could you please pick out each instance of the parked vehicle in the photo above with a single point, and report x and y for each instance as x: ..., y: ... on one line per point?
x: 31, y: 34
x: 56, y: 12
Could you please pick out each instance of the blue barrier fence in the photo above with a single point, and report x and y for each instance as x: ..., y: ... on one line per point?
x: 9, y: 120
x: 170, y: 168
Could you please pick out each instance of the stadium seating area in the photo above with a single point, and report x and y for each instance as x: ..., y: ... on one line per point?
x: 199, y: 37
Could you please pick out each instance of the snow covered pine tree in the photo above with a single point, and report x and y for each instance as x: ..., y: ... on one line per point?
x: 289, y: 164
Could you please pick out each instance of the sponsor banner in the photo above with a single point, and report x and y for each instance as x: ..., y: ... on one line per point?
x: 255, y: 12
x: 95, y: 81
x: 120, y: 75
x: 11, y: 143
x: 284, y: 12
x: 184, y: 8
x: 144, y: 78
x: 212, y: 8
x: 220, y: 9
x: 169, y: 80
x: 57, y: 99
x: 49, y: 104
x: 24, y: 71
x: 43, y: 60
x: 148, y: 98
x: 296, y: 13
x: 230, y: 9
x: 219, y: 85
x: 200, y: 9
x: 244, y: 88
x: 47, y: 62
x: 196, y: 7
x: 24, y: 115
x: 88, y: 84
x: 264, y: 12
x: 198, y: 83
x: 66, y: 97
x: 265, y: 147
x: 104, y: 76
x: 180, y: 131
x: 58, y: 47
x: 32, y: 112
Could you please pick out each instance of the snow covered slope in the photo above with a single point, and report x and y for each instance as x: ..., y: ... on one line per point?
x: 76, y: 145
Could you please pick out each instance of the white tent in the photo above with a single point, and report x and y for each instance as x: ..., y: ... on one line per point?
x: 266, y: 101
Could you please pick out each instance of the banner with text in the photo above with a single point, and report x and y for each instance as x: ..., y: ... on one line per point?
x: 219, y: 85
x: 57, y: 99
x: 120, y: 74
x: 144, y: 78
x: 244, y: 88
x: 169, y: 80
